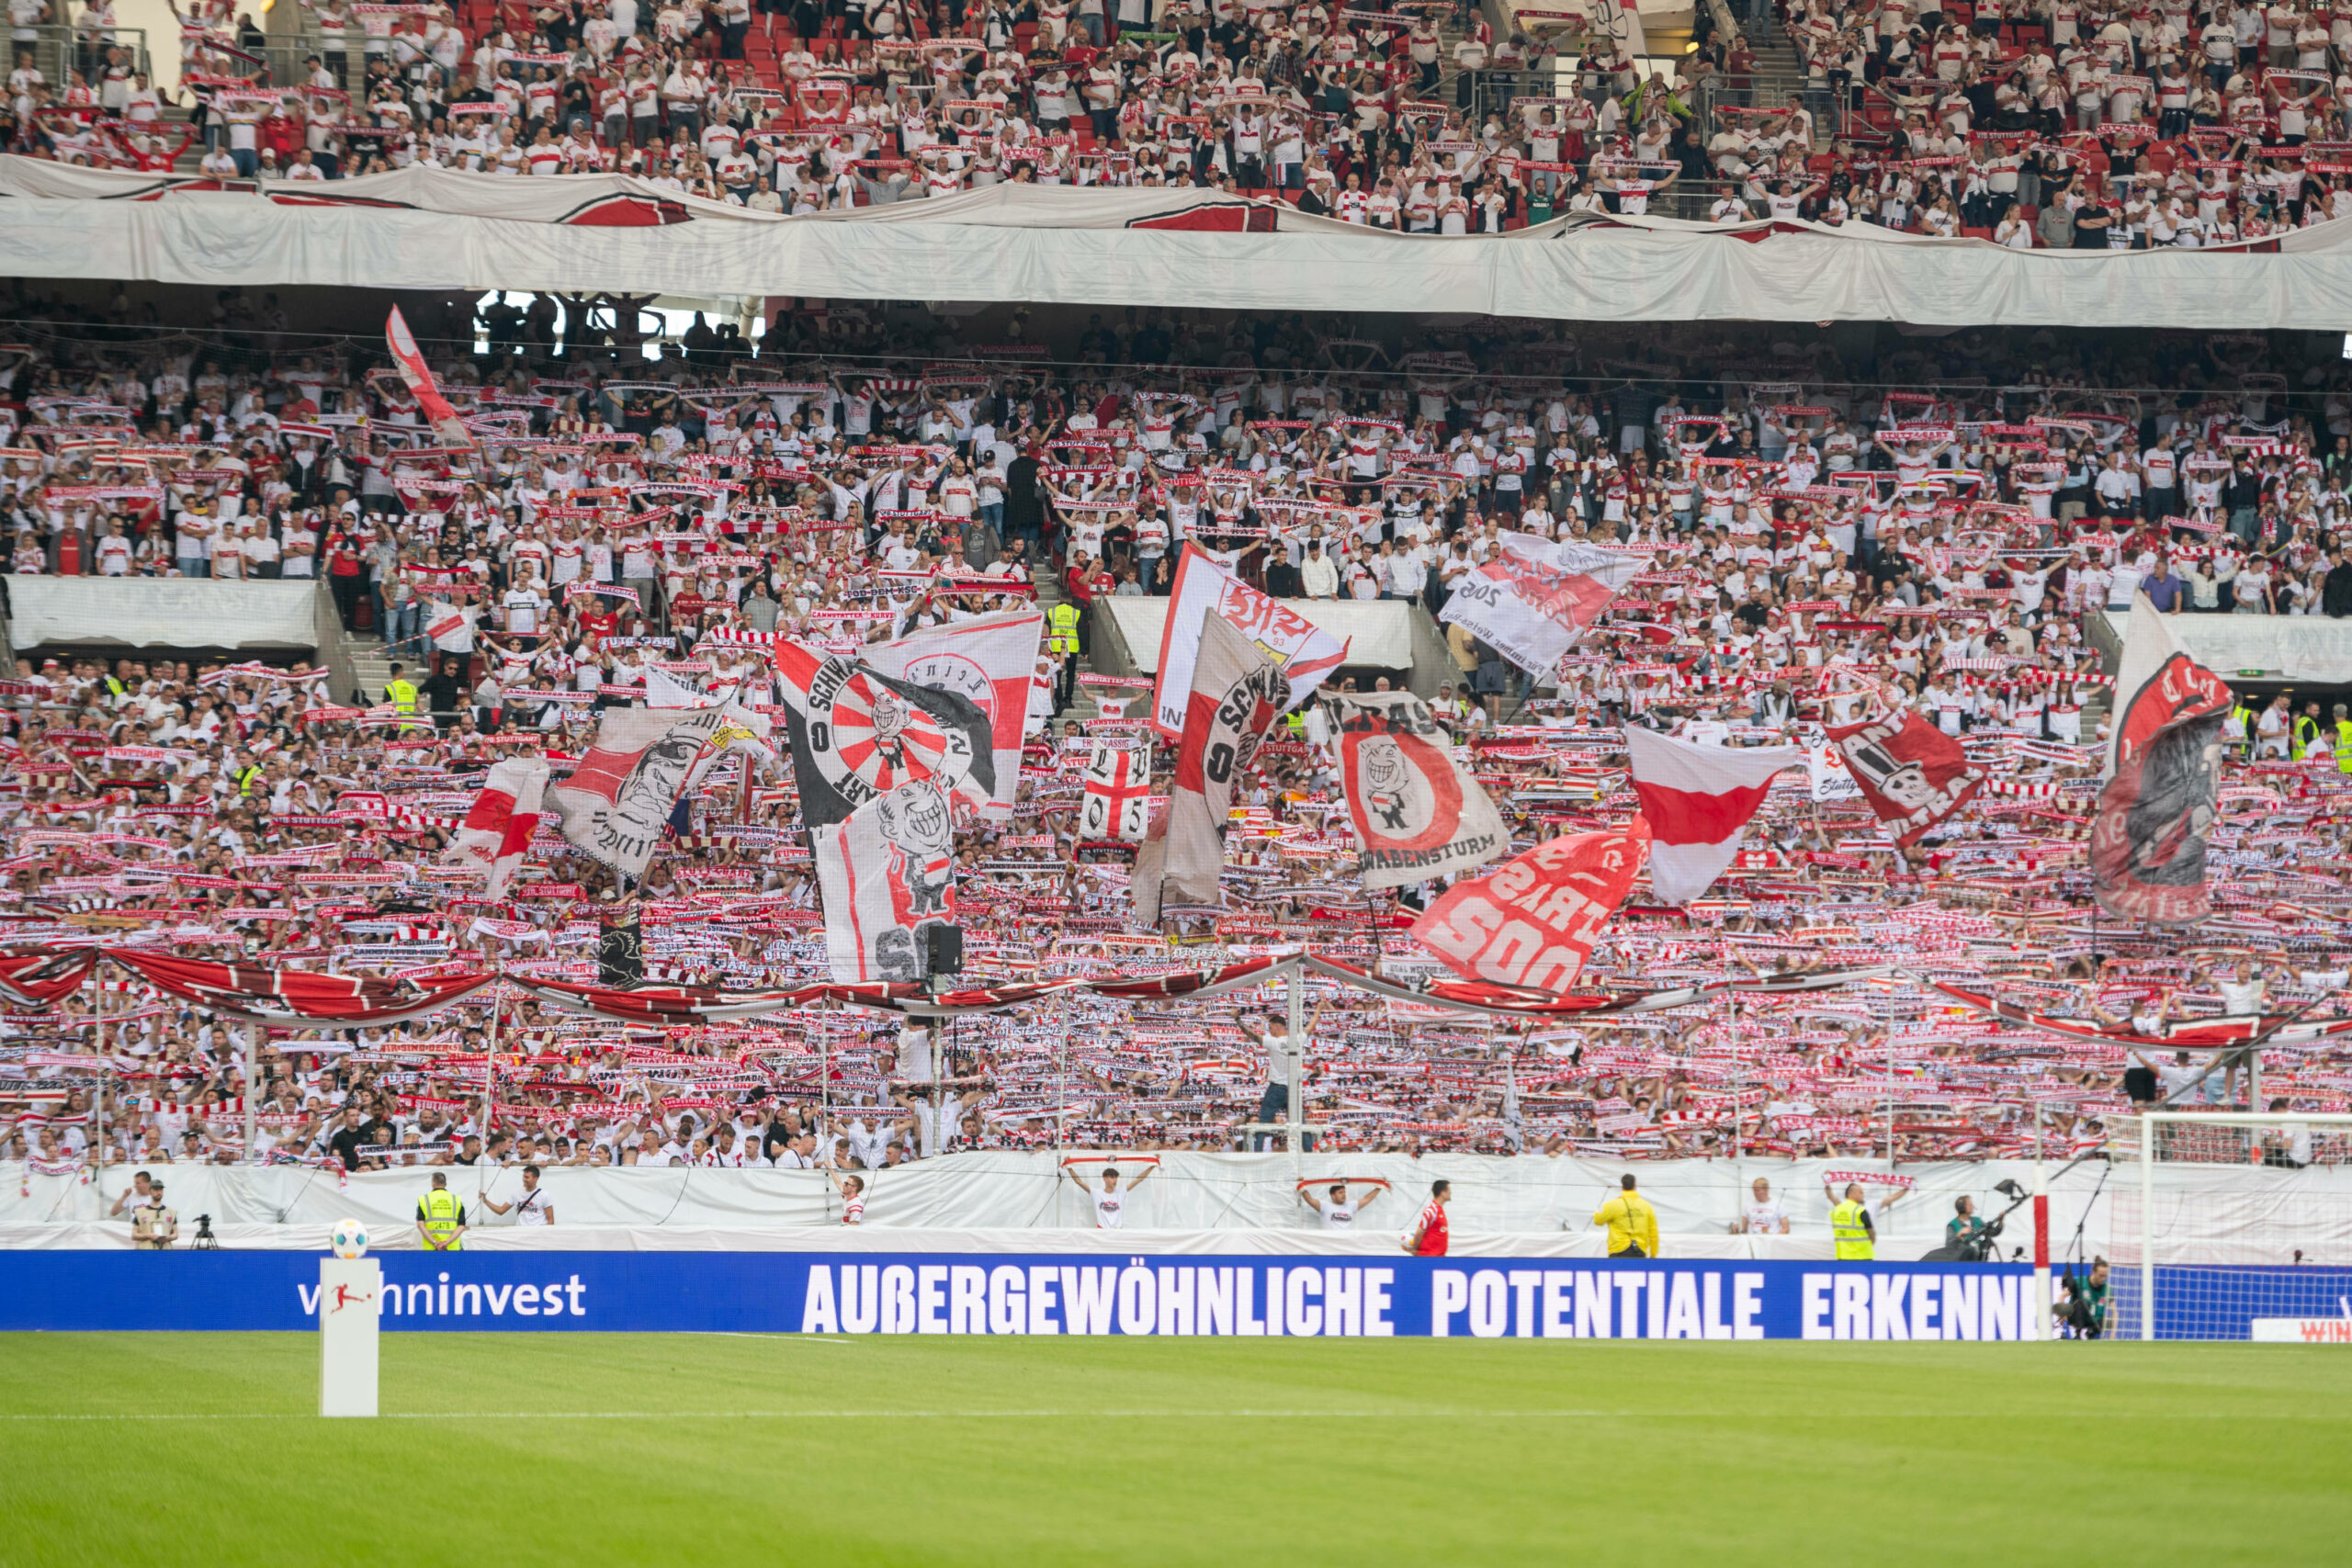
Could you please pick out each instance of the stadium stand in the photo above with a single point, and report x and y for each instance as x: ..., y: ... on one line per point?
x: 1830, y: 526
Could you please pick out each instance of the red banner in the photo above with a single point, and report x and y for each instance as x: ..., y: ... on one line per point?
x: 1533, y: 920
x: 1913, y: 775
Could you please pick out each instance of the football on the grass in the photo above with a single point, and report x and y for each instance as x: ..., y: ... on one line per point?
x: 349, y: 1240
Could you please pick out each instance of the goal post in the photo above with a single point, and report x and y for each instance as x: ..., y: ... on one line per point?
x: 2230, y: 1225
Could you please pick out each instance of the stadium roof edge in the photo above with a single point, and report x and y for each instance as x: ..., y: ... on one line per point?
x: 436, y: 229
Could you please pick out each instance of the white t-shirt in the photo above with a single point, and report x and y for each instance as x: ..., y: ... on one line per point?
x: 1109, y: 1209
x: 1766, y: 1218
x: 1339, y: 1216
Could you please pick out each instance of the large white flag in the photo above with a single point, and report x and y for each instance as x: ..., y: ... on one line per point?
x: 1536, y: 598
x: 990, y: 662
x: 618, y: 800
x: 1117, y: 799
x: 1417, y: 813
x: 857, y: 733
x: 1698, y: 800
x: 496, y: 833
x: 2162, y: 790
x: 885, y: 873
x: 1237, y: 693
x: 1205, y: 592
x: 451, y: 627
x: 664, y: 690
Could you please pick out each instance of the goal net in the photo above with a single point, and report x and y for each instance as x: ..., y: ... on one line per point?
x: 2230, y: 1226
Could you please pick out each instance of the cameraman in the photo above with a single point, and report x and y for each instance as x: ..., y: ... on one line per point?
x: 2084, y: 1314
x: 1964, y: 1233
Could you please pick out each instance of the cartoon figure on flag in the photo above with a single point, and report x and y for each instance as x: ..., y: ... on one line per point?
x: 1416, y: 813
x: 916, y: 824
x: 884, y: 874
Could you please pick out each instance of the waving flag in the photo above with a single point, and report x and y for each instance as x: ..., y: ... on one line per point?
x: 451, y: 627
x: 1531, y: 920
x: 496, y: 833
x: 1913, y: 775
x: 1415, y: 812
x: 1238, y: 694
x: 857, y: 733
x: 1698, y: 800
x: 446, y: 426
x: 1536, y: 598
x: 990, y: 662
x: 1205, y: 592
x: 1117, y: 799
x: 2164, y: 778
x: 616, y: 803
x: 885, y: 873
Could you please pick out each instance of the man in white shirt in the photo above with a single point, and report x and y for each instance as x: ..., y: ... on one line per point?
x: 1335, y: 1211
x: 1764, y: 1214
x: 1109, y: 1203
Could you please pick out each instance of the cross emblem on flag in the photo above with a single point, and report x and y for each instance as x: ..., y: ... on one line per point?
x: 1118, y: 790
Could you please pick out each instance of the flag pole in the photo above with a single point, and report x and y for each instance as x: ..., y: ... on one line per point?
x: 253, y: 1066
x: 98, y: 1049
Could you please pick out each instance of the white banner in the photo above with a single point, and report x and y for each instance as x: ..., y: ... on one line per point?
x: 163, y: 612
x: 1417, y: 814
x: 1533, y: 601
x: 1118, y: 801
x: 990, y: 662
x: 1205, y: 592
x: 1236, y: 695
x: 618, y: 800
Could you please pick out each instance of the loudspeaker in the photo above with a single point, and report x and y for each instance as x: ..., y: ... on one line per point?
x: 943, y: 950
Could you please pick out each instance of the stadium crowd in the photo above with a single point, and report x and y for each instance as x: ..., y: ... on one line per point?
x: 1931, y: 526
x: 2046, y: 122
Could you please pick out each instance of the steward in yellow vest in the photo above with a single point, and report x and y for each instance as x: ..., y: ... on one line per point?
x: 440, y: 1218
x: 1849, y: 1224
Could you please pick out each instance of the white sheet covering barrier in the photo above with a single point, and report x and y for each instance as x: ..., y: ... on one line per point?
x: 2294, y: 648
x: 161, y: 612
x: 443, y: 229
x: 1527, y: 1205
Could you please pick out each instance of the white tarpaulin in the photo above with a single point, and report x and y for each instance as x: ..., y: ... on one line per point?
x: 1379, y: 634
x: 2290, y: 648
x: 161, y: 612
x: 442, y: 229
x: 1502, y: 1203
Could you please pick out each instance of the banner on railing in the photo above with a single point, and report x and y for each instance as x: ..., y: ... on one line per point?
x: 1349, y: 1296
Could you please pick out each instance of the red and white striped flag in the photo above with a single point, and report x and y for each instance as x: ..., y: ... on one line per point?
x: 418, y: 376
x: 496, y: 833
x: 1698, y: 800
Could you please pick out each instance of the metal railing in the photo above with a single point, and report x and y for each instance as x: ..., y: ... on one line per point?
x: 59, y: 49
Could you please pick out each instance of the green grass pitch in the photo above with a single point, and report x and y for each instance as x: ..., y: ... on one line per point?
x: 583, y: 1449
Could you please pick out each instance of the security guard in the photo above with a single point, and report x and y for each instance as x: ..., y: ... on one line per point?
x: 440, y: 1218
x: 2342, y: 739
x: 1849, y: 1222
x: 1062, y: 623
x: 2306, y: 730
x: 1633, y: 1224
x: 2238, y: 729
x: 250, y: 778
x: 402, y: 694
